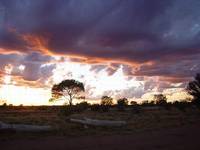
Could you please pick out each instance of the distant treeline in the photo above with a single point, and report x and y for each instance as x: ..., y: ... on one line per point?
x: 71, y: 89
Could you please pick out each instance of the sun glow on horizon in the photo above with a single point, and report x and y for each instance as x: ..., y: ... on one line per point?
x: 17, y: 95
x: 96, y: 84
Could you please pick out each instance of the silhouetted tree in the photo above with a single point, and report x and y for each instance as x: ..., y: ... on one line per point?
x: 3, y: 102
x: 68, y: 89
x: 95, y: 107
x: 193, y: 89
x: 82, y: 106
x: 160, y: 99
x: 133, y: 103
x: 106, y: 100
x: 147, y: 103
x: 121, y: 103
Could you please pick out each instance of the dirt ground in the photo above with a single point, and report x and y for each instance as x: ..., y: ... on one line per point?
x: 156, y: 129
x: 178, y: 138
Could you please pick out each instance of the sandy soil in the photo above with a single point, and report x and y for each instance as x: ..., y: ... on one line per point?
x: 182, y: 138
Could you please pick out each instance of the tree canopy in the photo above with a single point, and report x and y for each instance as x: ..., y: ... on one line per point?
x: 106, y: 100
x: 160, y: 99
x: 193, y: 88
x: 122, y: 101
x: 68, y: 89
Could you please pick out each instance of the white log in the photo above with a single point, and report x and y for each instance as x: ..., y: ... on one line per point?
x: 95, y: 122
x: 23, y: 127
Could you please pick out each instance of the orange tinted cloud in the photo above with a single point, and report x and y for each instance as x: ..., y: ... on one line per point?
x: 151, y: 44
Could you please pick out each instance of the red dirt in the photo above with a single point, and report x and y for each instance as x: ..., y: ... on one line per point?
x: 183, y: 138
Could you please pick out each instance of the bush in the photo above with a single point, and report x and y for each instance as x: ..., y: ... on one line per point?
x: 167, y: 106
x: 82, y: 106
x: 136, y: 109
x: 181, y: 105
x: 104, y: 108
x: 160, y: 99
x: 100, y: 108
x: 95, y: 107
x: 106, y: 100
x: 196, y: 102
x: 147, y: 103
x: 68, y: 110
x: 122, y: 103
x: 133, y: 103
x: 4, y: 104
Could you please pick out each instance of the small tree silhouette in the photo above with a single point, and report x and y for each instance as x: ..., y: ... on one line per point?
x: 69, y: 89
x: 193, y: 89
x: 133, y: 103
x: 106, y: 100
x: 121, y: 103
x: 160, y: 99
x: 3, y: 102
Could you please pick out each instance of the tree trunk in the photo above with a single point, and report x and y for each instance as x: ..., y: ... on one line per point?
x: 70, y: 100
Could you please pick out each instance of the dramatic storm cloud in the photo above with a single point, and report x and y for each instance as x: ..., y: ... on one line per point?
x: 134, y: 31
x: 144, y: 38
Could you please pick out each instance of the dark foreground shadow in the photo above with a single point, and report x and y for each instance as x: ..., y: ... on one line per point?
x: 181, y: 138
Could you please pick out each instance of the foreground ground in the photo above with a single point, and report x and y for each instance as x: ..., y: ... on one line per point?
x: 172, y: 129
x: 182, y: 138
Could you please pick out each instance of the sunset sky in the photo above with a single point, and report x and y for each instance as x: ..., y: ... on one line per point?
x: 119, y: 48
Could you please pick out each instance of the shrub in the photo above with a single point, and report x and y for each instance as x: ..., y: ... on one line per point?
x: 121, y: 103
x: 106, y: 100
x: 147, y: 103
x: 133, y: 103
x: 167, y: 106
x: 196, y: 102
x: 136, y: 109
x: 160, y: 99
x: 95, y: 107
x: 82, y: 106
x: 100, y: 108
x: 104, y: 108
x: 68, y: 110
x: 4, y: 104
x: 181, y: 105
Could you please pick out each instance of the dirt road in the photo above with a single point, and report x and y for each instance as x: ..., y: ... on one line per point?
x: 184, y: 138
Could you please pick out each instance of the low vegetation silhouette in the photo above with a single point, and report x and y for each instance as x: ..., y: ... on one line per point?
x: 122, y: 103
x: 106, y: 100
x: 106, y: 103
x: 160, y: 99
x: 70, y: 89
x: 133, y: 103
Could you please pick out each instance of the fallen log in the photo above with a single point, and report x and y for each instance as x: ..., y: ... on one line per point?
x: 24, y: 127
x: 95, y: 122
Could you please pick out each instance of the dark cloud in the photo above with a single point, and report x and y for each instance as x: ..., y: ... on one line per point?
x: 184, y: 68
x: 37, y: 57
x: 164, y: 33
x: 97, y: 68
x: 36, y: 68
